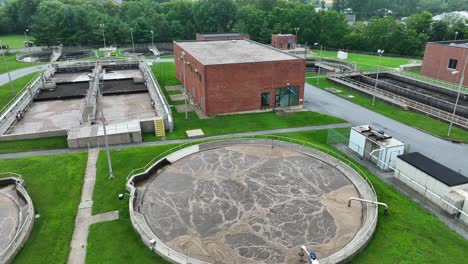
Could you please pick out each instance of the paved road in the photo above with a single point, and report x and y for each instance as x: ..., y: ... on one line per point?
x: 20, y: 73
x: 450, y: 154
x: 175, y: 141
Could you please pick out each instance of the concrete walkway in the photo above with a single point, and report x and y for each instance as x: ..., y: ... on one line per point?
x: 84, y: 217
x: 454, y: 156
x: 175, y: 141
x: 20, y: 73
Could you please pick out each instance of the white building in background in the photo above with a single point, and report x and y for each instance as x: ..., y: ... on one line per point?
x: 428, y: 177
x: 461, y: 14
x: 376, y: 146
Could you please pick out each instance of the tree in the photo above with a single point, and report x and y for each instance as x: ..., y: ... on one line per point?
x: 252, y: 21
x: 214, y: 16
x: 340, y: 5
x: 439, y: 30
x: 421, y: 22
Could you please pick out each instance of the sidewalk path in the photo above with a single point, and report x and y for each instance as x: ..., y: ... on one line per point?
x: 175, y: 141
x: 20, y: 73
x: 84, y: 217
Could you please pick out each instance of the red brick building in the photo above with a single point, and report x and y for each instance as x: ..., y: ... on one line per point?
x: 239, y: 75
x: 221, y: 36
x: 443, y: 57
x: 283, y: 41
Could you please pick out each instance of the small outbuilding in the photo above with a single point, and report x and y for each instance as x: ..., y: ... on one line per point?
x: 283, y: 41
x: 427, y: 176
x: 443, y: 58
x: 375, y: 145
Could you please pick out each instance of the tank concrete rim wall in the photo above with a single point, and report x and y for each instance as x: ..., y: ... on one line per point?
x: 356, y: 245
x: 22, y: 236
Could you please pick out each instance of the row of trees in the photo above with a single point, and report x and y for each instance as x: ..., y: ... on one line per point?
x: 399, y: 8
x: 78, y: 22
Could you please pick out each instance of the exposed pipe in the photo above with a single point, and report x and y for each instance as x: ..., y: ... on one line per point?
x: 368, y: 201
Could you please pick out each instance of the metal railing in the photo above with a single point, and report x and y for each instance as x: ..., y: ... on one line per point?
x: 157, y: 94
x: 400, y: 100
x: 162, y: 248
x: 21, y: 92
x: 429, y: 80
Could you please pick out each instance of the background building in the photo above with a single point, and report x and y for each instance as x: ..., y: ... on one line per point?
x: 283, y: 41
x: 239, y: 75
x: 221, y: 36
x: 443, y: 57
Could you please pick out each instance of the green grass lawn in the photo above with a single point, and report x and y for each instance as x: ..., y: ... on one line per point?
x: 54, y: 184
x: 408, y: 234
x: 368, y: 62
x: 226, y: 124
x: 15, y: 41
x: 13, y: 64
x: 411, y: 118
x: 5, y: 90
x: 113, y: 54
x: 415, y: 71
x: 101, y: 249
x: 33, y: 144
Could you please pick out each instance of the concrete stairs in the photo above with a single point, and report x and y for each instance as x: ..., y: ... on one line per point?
x: 159, y: 129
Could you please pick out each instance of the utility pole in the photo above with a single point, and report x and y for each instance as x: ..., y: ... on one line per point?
x: 103, y: 34
x: 152, y: 42
x: 380, y: 52
x: 320, y: 60
x: 462, y: 78
x: 133, y: 44
x: 295, y: 45
x: 7, y: 70
x: 27, y: 43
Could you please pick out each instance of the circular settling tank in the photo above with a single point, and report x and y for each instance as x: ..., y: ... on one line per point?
x: 16, y: 217
x: 253, y: 203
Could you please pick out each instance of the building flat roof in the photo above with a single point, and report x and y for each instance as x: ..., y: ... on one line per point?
x: 434, y: 169
x: 387, y: 141
x: 214, y: 52
x: 463, y: 43
x: 224, y: 34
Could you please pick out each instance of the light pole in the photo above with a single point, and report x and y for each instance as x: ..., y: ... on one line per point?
x: 109, y: 162
x: 103, y: 35
x: 456, y: 34
x: 462, y: 78
x: 152, y: 42
x: 27, y: 43
x: 185, y: 86
x: 320, y: 57
x: 133, y: 44
x: 295, y: 45
x: 7, y: 69
x: 380, y: 53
